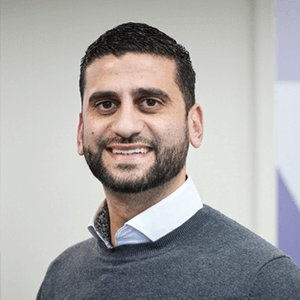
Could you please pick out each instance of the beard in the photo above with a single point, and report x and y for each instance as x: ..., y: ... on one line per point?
x: 169, y: 161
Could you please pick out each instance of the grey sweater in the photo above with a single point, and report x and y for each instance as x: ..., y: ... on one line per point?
x: 208, y: 257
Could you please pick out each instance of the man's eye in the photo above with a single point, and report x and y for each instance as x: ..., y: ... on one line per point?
x: 106, y: 105
x: 150, y: 102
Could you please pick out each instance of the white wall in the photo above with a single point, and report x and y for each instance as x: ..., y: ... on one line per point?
x: 48, y: 193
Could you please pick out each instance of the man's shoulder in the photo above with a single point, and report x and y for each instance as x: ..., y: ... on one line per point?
x: 76, y: 254
x: 231, y: 237
x: 239, y: 255
x: 65, y: 269
x: 79, y: 247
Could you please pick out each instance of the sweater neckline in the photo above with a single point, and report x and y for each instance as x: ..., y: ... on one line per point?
x: 182, y: 234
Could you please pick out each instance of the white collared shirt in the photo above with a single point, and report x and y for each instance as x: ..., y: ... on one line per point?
x: 158, y: 220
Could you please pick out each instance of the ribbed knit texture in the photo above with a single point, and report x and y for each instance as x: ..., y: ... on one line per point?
x: 208, y: 257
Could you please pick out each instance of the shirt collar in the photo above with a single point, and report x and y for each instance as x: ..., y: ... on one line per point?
x: 94, y: 225
x: 168, y: 214
x: 153, y: 223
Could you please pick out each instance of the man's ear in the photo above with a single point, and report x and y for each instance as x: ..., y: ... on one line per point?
x: 195, y: 122
x: 79, y: 135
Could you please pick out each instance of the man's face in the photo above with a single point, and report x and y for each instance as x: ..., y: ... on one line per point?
x: 133, y: 130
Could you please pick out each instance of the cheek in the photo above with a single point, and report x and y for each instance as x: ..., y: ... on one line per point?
x: 151, y: 128
x: 165, y: 130
x: 95, y: 130
x: 91, y: 135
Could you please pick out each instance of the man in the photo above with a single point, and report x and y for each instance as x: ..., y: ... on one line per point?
x: 152, y: 237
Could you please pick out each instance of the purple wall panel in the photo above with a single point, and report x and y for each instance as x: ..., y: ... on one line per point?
x: 288, y: 222
x: 288, y: 39
x: 288, y: 70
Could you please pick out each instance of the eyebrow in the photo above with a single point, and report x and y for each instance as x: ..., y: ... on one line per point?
x: 136, y: 92
x: 101, y: 95
x: 151, y: 92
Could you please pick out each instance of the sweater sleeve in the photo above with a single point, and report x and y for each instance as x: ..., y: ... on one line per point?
x: 277, y: 280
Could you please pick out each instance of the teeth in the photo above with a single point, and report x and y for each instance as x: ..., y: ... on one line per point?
x: 130, y: 151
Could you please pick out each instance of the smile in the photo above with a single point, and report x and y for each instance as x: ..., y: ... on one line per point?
x: 130, y: 151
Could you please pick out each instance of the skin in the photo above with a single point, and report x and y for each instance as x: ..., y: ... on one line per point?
x: 121, y: 100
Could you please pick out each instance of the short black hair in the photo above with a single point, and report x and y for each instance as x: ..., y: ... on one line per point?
x: 142, y: 38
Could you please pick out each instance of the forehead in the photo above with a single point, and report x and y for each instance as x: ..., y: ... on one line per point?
x: 136, y: 61
x: 130, y: 71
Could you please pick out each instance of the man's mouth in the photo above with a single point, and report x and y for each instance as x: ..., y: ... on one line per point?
x: 130, y: 151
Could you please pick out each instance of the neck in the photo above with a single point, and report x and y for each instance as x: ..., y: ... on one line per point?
x: 122, y: 206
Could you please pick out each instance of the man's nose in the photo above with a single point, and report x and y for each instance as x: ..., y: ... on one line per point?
x: 128, y: 122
